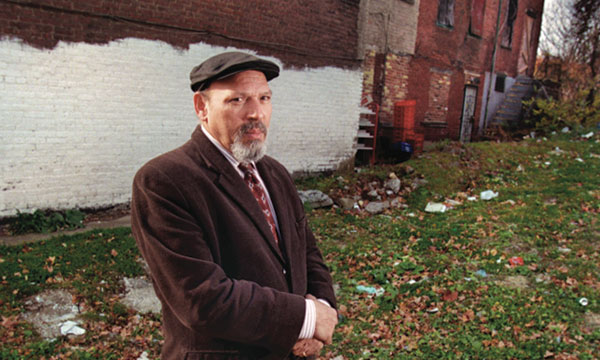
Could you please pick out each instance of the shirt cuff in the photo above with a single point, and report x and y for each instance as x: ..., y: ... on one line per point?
x: 310, y: 320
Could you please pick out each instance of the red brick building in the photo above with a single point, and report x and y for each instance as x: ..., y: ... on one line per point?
x: 441, y: 54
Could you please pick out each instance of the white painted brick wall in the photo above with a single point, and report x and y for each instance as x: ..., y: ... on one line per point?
x: 78, y: 121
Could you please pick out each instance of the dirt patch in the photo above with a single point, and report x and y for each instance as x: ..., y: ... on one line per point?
x: 592, y: 321
x: 514, y: 282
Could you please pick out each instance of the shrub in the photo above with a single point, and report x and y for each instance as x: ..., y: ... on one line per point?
x: 41, y: 222
x: 549, y: 115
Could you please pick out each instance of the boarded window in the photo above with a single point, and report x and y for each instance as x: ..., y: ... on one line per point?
x: 446, y: 13
x: 477, y: 16
x: 511, y: 16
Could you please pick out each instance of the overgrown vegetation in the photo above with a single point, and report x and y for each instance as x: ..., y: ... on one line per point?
x: 549, y: 115
x: 46, y: 221
x: 449, y: 284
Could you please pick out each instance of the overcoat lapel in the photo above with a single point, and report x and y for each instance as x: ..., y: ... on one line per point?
x: 232, y: 183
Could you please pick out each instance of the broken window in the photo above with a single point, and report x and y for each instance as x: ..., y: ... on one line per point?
x: 511, y: 16
x: 446, y: 13
x: 477, y: 12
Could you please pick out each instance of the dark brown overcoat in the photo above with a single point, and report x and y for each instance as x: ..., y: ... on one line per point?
x: 228, y: 291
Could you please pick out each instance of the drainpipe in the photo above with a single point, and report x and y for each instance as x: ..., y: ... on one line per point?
x: 487, y: 100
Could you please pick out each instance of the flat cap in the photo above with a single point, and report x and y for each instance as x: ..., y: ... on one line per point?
x: 229, y: 63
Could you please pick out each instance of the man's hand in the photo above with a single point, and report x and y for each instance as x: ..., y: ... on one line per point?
x: 307, y: 347
x: 326, y: 321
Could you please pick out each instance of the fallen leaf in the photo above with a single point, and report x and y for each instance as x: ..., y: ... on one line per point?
x: 450, y: 296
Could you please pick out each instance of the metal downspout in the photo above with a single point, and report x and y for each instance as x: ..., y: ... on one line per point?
x: 487, y: 100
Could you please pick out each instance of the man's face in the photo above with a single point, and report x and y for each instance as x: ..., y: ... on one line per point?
x: 236, y: 111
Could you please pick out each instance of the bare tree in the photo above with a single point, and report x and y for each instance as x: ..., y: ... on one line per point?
x: 571, y: 33
x: 586, y: 48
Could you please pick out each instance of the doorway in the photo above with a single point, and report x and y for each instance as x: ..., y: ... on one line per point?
x: 468, y: 113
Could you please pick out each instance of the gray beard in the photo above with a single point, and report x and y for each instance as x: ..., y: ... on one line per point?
x: 253, y: 151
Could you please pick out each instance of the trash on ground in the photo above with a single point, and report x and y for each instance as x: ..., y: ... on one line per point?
x: 71, y: 328
x: 579, y: 159
x: 563, y: 250
x: 588, y: 135
x: 435, y: 208
x: 583, y: 301
x: 565, y: 130
x: 370, y: 290
x: 143, y: 356
x: 556, y: 151
x: 433, y: 310
x: 516, y: 261
x: 488, y: 195
x: 453, y: 202
x: 472, y: 198
x: 481, y: 273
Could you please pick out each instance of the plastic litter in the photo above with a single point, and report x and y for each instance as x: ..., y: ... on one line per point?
x: 71, y: 328
x: 433, y: 310
x: 488, y: 195
x: 516, y: 261
x: 565, y: 130
x: 370, y: 290
x: 412, y: 281
x: 472, y: 198
x: 143, y: 356
x: 481, y: 273
x: 579, y: 159
x: 435, y: 208
x: 563, y: 250
x: 583, y: 301
x: 588, y: 135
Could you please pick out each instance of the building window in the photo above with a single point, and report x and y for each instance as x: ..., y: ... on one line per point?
x: 477, y: 16
x: 446, y: 13
x: 500, y: 83
x: 511, y: 16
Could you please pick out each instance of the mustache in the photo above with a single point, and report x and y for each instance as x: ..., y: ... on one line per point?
x: 251, y: 126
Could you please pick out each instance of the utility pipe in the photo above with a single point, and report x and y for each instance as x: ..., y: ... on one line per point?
x: 487, y: 100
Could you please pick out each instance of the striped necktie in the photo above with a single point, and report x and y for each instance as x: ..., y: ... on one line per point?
x: 259, y: 194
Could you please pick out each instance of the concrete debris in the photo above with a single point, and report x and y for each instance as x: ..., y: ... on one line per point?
x: 393, y: 184
x: 315, y: 198
x: 48, y: 310
x: 435, y: 207
x: 140, y: 296
x: 377, y: 207
x: 346, y: 203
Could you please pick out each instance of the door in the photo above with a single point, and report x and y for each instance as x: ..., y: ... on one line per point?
x: 468, y: 113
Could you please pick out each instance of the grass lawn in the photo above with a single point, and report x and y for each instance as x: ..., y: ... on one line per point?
x: 504, y: 278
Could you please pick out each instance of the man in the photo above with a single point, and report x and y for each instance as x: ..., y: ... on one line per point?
x: 236, y: 268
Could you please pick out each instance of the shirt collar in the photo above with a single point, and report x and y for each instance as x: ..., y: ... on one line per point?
x: 224, y: 151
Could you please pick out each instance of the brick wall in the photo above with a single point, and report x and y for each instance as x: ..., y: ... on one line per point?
x: 300, y: 32
x: 397, y: 71
x: 439, y: 89
x: 80, y: 116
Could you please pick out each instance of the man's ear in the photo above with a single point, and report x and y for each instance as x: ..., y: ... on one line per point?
x: 200, y: 106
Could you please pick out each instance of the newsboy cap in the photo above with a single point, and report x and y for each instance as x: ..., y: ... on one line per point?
x: 229, y: 63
